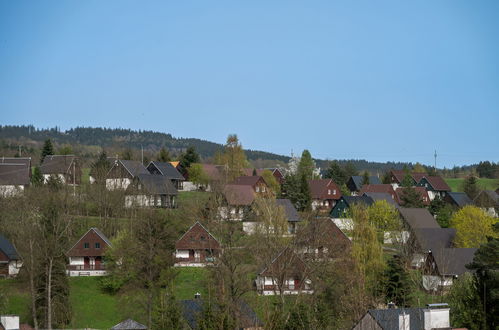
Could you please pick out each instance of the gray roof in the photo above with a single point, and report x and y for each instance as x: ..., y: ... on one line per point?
x: 167, y: 170
x: 129, y: 325
x: 418, y: 218
x: 157, y: 184
x: 56, y: 164
x: 434, y: 238
x: 291, y: 213
x: 134, y: 167
x: 493, y: 196
x: 14, y: 174
x: 357, y: 181
x: 350, y: 200
x: 8, y: 249
x: 378, y: 196
x: 193, y: 309
x: 453, y: 261
x: 460, y: 198
x: 388, y: 319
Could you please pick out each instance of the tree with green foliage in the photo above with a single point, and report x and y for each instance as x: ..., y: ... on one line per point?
x: 398, y: 286
x: 365, y: 178
x: 127, y: 154
x: 305, y: 199
x: 441, y: 210
x: 163, y: 155
x: 306, y: 166
x: 409, y: 197
x: 167, y: 313
x: 100, y: 168
x: 385, y: 218
x: 190, y: 156
x: 465, y: 303
x: 272, y: 182
x: 470, y: 186
x: 233, y: 157
x: 473, y: 226
x: 387, y: 178
x: 407, y: 181
x: 37, y: 177
x: 47, y: 150
x: 65, y: 150
x: 198, y: 176
x: 336, y: 173
x: 350, y: 170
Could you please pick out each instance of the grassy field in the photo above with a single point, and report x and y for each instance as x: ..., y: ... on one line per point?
x: 190, y: 280
x: 488, y: 184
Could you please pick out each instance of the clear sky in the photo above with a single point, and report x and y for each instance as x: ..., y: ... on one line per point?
x: 376, y: 80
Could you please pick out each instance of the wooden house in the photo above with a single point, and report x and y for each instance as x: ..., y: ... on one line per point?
x: 287, y: 273
x: 98, y: 175
x: 435, y: 185
x: 398, y: 176
x: 86, y: 257
x: 379, y: 188
x: 150, y: 190
x: 277, y: 173
x: 257, y: 183
x: 457, y: 199
x: 65, y: 168
x: 237, y: 202
x: 10, y: 262
x: 291, y: 214
x: 250, y: 226
x: 424, y: 197
x: 197, y: 247
x: 354, y: 183
x: 122, y: 173
x: 15, y: 175
x: 216, y: 175
x: 488, y: 200
x: 342, y: 206
x: 324, y: 193
x: 167, y: 170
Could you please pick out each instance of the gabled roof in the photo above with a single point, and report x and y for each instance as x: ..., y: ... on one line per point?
x: 248, y: 180
x: 378, y: 196
x: 319, y: 189
x: 289, y: 209
x: 8, y: 249
x: 460, y: 199
x: 133, y: 167
x: 14, y: 174
x: 16, y: 160
x: 453, y: 261
x: 437, y: 183
x: 185, y: 241
x: 388, y: 319
x: 320, y: 233
x: 425, y: 198
x: 379, y: 188
x: 239, y: 195
x: 192, y: 310
x: 434, y: 238
x: 129, y: 325
x: 96, y: 231
x: 350, y: 200
x: 356, y: 180
x: 57, y: 164
x: 418, y: 218
x: 286, y: 261
x: 167, y: 169
x: 157, y: 184
x: 487, y: 198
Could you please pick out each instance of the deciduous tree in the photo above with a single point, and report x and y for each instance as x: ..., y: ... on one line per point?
x: 473, y: 226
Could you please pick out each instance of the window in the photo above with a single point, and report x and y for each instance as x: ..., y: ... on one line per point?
x: 202, y: 238
x: 263, y: 189
x: 334, y: 192
x: 257, y: 189
x: 97, y: 245
x: 86, y: 245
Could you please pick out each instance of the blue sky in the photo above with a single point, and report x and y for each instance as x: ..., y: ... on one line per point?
x: 376, y: 80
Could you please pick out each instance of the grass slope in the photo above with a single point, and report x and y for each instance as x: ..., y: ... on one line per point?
x: 487, y: 184
x: 190, y: 280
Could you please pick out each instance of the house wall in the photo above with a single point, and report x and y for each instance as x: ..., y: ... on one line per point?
x: 118, y: 183
x: 14, y: 267
x: 436, y: 318
x: 11, y: 190
x: 267, y: 286
x: 91, y: 237
x: 9, y: 322
x: 343, y: 223
x: 367, y: 323
x: 61, y: 177
x: 234, y: 213
x: 76, y: 261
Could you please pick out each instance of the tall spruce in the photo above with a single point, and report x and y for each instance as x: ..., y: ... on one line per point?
x: 190, y: 156
x: 47, y: 150
x: 164, y: 155
x: 470, y: 186
x: 306, y: 166
x: 365, y: 178
x: 336, y: 173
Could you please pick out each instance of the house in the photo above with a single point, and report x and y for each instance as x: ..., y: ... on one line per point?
x: 10, y: 322
x: 129, y: 324
x: 443, y: 266
x: 435, y: 185
x: 379, y: 188
x: 10, y: 262
x: 398, y: 176
x: 277, y: 173
x: 324, y: 193
x: 457, y: 199
x: 167, y: 170
x: 238, y: 200
x: 86, y: 257
x: 354, y: 184
x: 122, y: 173
x: 215, y: 173
x: 100, y: 173
x: 488, y: 200
x: 149, y: 190
x: 425, y: 198
x: 425, y: 240
x: 434, y: 316
x: 417, y: 218
x: 379, y: 196
x: 192, y: 311
x: 64, y: 167
x: 289, y: 212
x: 197, y: 247
x: 287, y: 273
x: 254, y: 181
x: 15, y: 175
x: 342, y: 206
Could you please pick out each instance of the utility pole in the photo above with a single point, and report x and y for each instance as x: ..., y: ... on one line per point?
x: 142, y: 148
x: 19, y: 151
x: 435, y: 155
x: 74, y: 177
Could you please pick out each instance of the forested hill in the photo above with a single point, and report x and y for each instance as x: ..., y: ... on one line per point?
x: 82, y: 139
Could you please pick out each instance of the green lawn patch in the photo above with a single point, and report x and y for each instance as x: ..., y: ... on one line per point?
x: 197, y: 196
x: 190, y: 280
x: 92, y: 308
x: 18, y: 299
x: 487, y: 184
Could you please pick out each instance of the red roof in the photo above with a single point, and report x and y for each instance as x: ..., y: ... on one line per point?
x: 399, y: 175
x: 249, y: 180
x: 239, y: 194
x: 287, y: 262
x: 197, y: 237
x: 438, y: 183
x: 324, y: 189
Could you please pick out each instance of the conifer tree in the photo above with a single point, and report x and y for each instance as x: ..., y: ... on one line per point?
x: 164, y: 155
x: 47, y: 150
x: 306, y: 166
x: 470, y: 186
x: 336, y: 173
x: 397, y: 286
x: 37, y: 177
x: 365, y: 178
x: 186, y: 159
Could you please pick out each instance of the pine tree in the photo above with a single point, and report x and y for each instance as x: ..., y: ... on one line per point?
x: 47, y: 150
x: 409, y: 197
x: 365, y: 178
x: 408, y: 181
x: 306, y: 166
x: 37, y: 177
x: 186, y: 159
x: 164, y: 155
x: 254, y: 172
x: 100, y: 168
x: 305, y: 198
x: 470, y: 186
x: 336, y: 173
x: 167, y: 313
x: 397, y: 286
x: 350, y: 170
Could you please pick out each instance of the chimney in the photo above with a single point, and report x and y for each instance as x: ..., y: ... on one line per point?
x: 391, y: 305
x: 436, y: 316
x: 197, y: 295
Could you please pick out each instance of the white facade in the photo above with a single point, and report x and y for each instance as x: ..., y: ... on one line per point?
x: 231, y: 213
x: 263, y: 283
x: 393, y: 237
x: 14, y: 267
x: 435, y: 282
x: 436, y: 318
x: 190, y: 186
x: 120, y: 183
x: 11, y: 190
x: 61, y: 177
x: 9, y: 322
x: 78, y: 262
x: 343, y: 223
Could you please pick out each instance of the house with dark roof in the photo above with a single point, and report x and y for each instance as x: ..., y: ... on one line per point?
x: 379, y: 188
x: 435, y: 185
x: 129, y: 324
x: 380, y: 196
x: 488, y: 200
x: 342, y: 206
x: 424, y: 197
x: 425, y: 240
x: 150, y: 190
x: 122, y: 173
x: 192, y: 311
x: 457, y: 199
x: 15, y: 175
x: 237, y: 202
x: 167, y: 170
x: 354, y: 184
x: 444, y: 265
x: 434, y: 316
x: 98, y: 174
x: 286, y: 273
x: 66, y: 168
x: 324, y: 193
x: 10, y: 262
x: 277, y: 173
x: 197, y: 247
x: 86, y: 256
x: 254, y: 181
x: 215, y: 173
x: 289, y: 212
